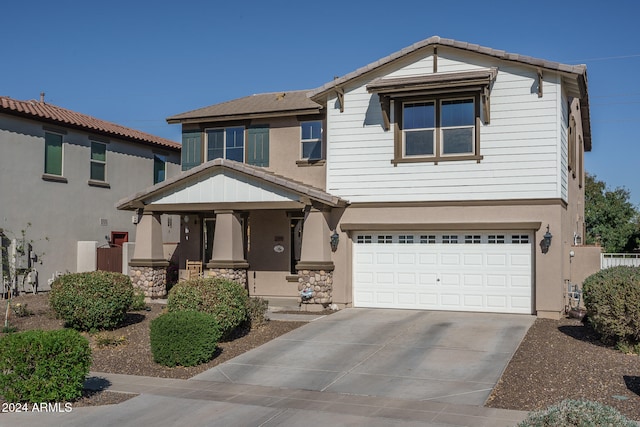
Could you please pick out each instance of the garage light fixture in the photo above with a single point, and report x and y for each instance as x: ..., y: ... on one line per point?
x: 546, y: 242
x: 335, y: 238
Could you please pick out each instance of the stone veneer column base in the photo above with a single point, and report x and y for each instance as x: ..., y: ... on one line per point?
x: 150, y: 280
x: 315, y: 286
x: 238, y: 275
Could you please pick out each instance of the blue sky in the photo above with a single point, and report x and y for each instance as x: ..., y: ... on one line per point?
x: 138, y: 62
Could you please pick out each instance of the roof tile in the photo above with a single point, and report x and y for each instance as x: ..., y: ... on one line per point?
x: 64, y: 117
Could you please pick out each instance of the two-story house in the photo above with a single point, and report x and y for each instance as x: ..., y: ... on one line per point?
x: 61, y: 174
x: 445, y: 176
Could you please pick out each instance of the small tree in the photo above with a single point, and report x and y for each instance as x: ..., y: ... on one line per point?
x: 611, y: 219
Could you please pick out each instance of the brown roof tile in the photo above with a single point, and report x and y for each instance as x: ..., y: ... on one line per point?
x: 292, y: 102
x: 63, y: 117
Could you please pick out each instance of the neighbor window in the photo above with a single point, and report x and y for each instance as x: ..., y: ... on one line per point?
x: 53, y: 153
x: 311, y: 137
x: 159, y: 168
x: 227, y: 143
x: 98, y: 161
x: 438, y: 129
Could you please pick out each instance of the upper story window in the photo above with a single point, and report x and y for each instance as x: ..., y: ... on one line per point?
x: 311, y: 137
x: 52, y: 154
x: 439, y: 129
x: 98, y: 161
x: 159, y: 168
x: 226, y: 143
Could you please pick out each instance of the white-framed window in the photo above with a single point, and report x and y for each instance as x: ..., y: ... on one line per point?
x: 405, y: 239
x: 311, y: 139
x: 98, y: 161
x: 385, y: 239
x: 495, y: 239
x: 520, y: 238
x: 427, y: 239
x: 225, y: 143
x: 449, y: 238
x: 363, y: 238
x: 472, y: 238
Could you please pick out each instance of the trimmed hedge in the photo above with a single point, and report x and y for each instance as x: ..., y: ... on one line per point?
x: 92, y: 301
x: 574, y: 413
x: 185, y: 338
x: 43, y: 366
x: 226, y: 300
x: 612, y: 299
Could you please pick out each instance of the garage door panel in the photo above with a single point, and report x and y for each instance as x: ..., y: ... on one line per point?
x: 449, y: 271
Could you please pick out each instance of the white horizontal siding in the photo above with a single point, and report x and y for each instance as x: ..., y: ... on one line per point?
x: 519, y: 147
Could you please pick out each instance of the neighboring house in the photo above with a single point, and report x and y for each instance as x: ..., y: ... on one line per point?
x: 61, y: 174
x: 425, y: 180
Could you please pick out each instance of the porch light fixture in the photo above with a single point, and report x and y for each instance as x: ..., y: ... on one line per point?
x: 335, y: 238
x: 546, y: 242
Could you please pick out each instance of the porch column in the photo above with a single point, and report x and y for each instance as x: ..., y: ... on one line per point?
x: 148, y: 267
x: 315, y: 268
x: 228, y: 259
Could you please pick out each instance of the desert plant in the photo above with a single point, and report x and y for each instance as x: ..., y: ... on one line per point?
x: 570, y: 413
x: 224, y: 299
x: 43, y: 366
x: 185, y: 338
x: 106, y: 339
x: 612, y: 299
x: 21, y: 310
x: 257, y: 311
x: 91, y: 301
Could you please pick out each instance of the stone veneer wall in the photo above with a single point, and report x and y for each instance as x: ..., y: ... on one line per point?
x: 238, y: 275
x: 317, y: 283
x: 151, y: 280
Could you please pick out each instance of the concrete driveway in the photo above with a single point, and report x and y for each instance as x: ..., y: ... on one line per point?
x: 445, y: 357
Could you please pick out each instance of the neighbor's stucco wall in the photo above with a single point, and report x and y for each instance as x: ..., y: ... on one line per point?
x: 61, y: 214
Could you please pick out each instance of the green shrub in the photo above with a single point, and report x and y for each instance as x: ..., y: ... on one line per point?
x: 185, y: 338
x: 137, y: 302
x: 92, y: 301
x: 226, y: 300
x: 612, y: 299
x: 43, y: 366
x: 257, y: 310
x: 570, y: 413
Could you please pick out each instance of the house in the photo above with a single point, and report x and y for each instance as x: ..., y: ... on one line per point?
x: 61, y: 174
x: 445, y: 176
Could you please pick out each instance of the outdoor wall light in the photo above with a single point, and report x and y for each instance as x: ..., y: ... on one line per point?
x: 335, y: 238
x: 546, y: 241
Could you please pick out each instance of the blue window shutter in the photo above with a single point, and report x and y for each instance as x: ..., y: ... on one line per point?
x: 191, y: 149
x: 258, y: 146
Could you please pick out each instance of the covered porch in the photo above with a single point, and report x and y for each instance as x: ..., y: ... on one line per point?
x: 269, y: 233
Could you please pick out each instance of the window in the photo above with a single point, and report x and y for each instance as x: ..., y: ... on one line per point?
x: 406, y: 239
x: 519, y: 238
x: 475, y: 239
x: 439, y: 129
x: 363, y: 239
x: 446, y: 238
x: 496, y: 239
x: 159, y: 168
x: 53, y: 154
x: 191, y: 149
x: 428, y: 239
x: 311, y: 137
x: 385, y: 239
x: 98, y: 161
x: 226, y: 143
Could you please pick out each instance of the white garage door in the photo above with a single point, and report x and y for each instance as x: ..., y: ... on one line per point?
x: 465, y: 271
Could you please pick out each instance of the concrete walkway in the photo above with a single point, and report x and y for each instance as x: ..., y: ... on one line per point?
x: 371, y: 368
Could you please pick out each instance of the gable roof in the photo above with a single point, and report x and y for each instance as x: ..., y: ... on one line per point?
x: 49, y: 113
x: 253, y: 173
x: 435, y: 41
x: 253, y: 106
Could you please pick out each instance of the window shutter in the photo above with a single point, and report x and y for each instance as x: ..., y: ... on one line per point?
x: 191, y: 149
x: 258, y: 146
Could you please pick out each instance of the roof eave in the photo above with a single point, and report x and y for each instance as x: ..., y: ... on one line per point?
x: 231, y: 117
